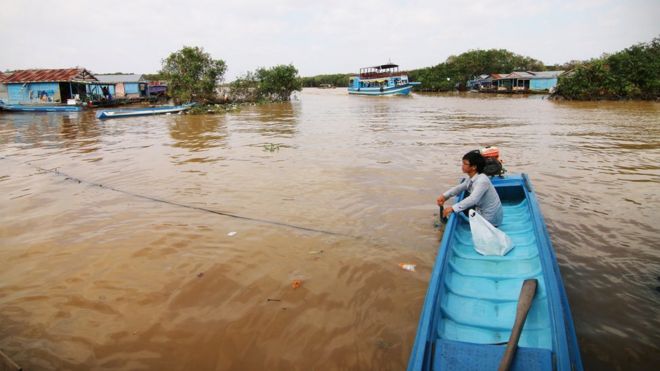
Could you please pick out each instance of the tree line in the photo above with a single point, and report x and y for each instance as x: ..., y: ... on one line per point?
x: 337, y: 79
x: 193, y: 75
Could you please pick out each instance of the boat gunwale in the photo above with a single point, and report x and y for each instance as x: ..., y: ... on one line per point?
x: 18, y: 107
x: 109, y: 114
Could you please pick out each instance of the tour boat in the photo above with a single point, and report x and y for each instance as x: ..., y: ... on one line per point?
x: 472, y: 300
x: 380, y: 80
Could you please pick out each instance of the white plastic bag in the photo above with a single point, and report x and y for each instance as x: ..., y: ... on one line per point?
x: 487, y: 239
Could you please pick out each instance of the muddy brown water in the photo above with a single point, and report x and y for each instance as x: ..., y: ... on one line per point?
x: 333, y: 190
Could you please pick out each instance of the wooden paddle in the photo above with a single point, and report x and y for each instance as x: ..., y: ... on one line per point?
x: 443, y: 219
x: 524, y: 303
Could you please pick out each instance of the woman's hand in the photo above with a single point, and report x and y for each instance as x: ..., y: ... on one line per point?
x: 447, y: 211
x: 441, y: 200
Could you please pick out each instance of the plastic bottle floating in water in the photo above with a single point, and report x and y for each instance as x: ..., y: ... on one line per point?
x: 407, y: 266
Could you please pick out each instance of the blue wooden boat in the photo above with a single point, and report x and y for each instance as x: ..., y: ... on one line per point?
x: 472, y: 299
x: 381, y: 80
x: 142, y: 112
x: 40, y: 108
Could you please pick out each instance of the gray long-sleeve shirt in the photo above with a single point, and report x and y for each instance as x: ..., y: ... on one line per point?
x: 482, y: 195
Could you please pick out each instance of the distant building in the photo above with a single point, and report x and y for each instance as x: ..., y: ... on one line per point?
x: 157, y: 88
x: 481, y: 82
x: 526, y: 81
x: 47, y: 85
x: 124, y: 86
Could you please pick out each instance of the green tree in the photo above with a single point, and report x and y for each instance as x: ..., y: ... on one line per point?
x: 245, y: 88
x: 266, y: 84
x: 192, y: 74
x: 631, y: 73
x: 277, y: 83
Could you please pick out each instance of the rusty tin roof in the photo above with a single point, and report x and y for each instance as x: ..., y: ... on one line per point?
x: 51, y: 75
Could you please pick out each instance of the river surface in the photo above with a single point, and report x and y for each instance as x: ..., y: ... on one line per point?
x: 172, y: 242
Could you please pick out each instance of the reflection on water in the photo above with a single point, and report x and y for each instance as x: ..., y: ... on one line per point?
x: 96, y: 278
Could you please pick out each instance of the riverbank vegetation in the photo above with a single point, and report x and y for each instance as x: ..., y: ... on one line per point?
x: 275, y: 84
x: 337, y: 80
x: 633, y: 73
x: 193, y: 75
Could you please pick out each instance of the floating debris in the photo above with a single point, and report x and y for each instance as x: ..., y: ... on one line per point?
x: 407, y: 266
x: 271, y: 147
x: 231, y: 234
x: 296, y: 283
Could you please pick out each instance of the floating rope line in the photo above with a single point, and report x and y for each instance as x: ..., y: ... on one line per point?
x: 150, y: 198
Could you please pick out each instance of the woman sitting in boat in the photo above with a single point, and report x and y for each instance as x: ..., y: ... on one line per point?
x: 482, y: 195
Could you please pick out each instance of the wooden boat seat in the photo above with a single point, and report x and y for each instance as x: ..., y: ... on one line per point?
x: 456, y: 355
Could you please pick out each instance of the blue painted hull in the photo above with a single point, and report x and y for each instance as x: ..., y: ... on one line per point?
x: 399, y: 90
x: 104, y: 115
x: 471, y: 301
x: 40, y: 108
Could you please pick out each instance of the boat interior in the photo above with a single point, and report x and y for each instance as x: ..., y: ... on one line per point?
x: 478, y: 300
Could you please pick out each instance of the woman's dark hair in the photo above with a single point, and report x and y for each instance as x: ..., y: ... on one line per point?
x: 475, y: 158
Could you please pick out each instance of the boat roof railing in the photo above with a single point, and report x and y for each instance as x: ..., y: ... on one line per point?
x: 384, y: 70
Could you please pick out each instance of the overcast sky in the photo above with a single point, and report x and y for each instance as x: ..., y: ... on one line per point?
x: 317, y: 37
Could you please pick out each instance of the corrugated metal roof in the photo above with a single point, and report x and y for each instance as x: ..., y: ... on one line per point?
x: 547, y: 74
x: 120, y: 78
x: 53, y: 75
x: 521, y: 75
x: 527, y: 75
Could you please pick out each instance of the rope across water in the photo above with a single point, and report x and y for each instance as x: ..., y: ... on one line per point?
x: 66, y: 176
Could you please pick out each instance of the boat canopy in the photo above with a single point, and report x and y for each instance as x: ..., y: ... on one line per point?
x: 384, y: 70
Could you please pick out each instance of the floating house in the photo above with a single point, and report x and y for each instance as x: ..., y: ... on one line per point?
x: 526, y: 81
x: 3, y: 88
x: 122, y: 86
x: 480, y: 82
x: 47, y: 86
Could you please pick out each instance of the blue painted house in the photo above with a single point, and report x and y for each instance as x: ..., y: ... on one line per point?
x: 125, y: 85
x: 527, y: 81
x: 47, y: 86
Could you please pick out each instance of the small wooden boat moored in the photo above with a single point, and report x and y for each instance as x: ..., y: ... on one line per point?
x: 107, y: 114
x: 472, y: 300
x: 40, y: 108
